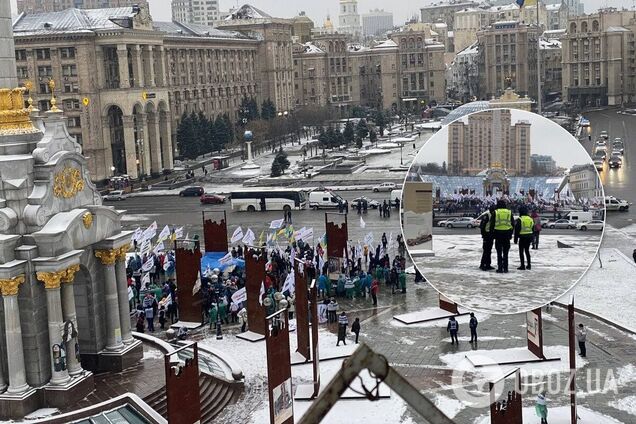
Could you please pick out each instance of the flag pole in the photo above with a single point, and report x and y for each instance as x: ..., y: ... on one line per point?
x: 538, y: 61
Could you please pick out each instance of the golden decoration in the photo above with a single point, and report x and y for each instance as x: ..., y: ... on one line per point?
x: 10, y: 287
x: 29, y: 86
x: 108, y: 257
x: 121, y: 252
x: 53, y: 101
x: 51, y: 280
x: 69, y: 273
x: 87, y: 219
x: 14, y: 117
x: 68, y: 182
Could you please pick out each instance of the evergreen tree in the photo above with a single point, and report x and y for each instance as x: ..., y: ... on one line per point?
x: 203, y: 124
x: 380, y: 121
x: 361, y: 129
x: 444, y: 171
x: 349, y: 133
x: 276, y: 170
x: 268, y: 110
x: 373, y: 136
x: 221, y: 132
x: 280, y: 164
x: 358, y: 142
x: 230, y: 128
x: 186, y: 138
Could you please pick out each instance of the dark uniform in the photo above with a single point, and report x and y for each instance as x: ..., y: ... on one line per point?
x: 524, y: 236
x: 487, y: 241
x: 501, y: 227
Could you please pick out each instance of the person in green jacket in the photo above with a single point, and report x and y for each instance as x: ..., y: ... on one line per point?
x: 402, y: 279
x: 541, y: 408
x: 223, y: 312
x: 212, y: 313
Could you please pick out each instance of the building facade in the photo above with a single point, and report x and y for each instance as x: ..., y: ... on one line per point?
x: 462, y: 75
x: 125, y: 82
x: 445, y: 12
x: 274, y: 67
x: 542, y: 165
x: 584, y: 182
x: 599, y: 59
x: 199, y: 12
x: 376, y: 22
x: 39, y: 6
x: 551, y: 67
x: 301, y: 28
x: 508, y: 58
x: 349, y: 19
x: 489, y: 140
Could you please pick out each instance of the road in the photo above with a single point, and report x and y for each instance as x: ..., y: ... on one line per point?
x: 187, y: 212
x: 617, y: 182
x: 463, y: 231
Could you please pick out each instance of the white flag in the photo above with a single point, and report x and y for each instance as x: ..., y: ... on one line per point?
x: 145, y: 280
x: 147, y: 266
x: 308, y: 234
x: 239, y: 296
x: 225, y: 259
x: 261, y: 293
x: 237, y: 235
x: 249, y: 237
x: 290, y: 283
x: 298, y: 235
x: 362, y: 223
x: 179, y: 232
x: 146, y: 245
x: 150, y: 232
x: 276, y: 224
x: 164, y: 234
x: 159, y: 248
x: 197, y: 284
x: 137, y: 234
x: 368, y: 239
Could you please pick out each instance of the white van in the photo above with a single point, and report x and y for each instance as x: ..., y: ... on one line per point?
x: 395, y: 195
x: 614, y: 204
x: 580, y: 216
x: 324, y: 199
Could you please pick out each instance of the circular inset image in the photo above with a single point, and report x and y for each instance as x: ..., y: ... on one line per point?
x: 503, y: 211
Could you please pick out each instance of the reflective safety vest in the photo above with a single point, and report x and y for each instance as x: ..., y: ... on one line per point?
x: 502, y: 219
x: 527, y: 225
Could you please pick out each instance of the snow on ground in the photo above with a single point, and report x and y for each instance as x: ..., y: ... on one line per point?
x: 608, y: 292
x: 152, y: 354
x: 560, y: 415
x: 627, y: 404
x: 625, y: 375
x: 483, y: 338
x: 450, y: 407
x: 463, y: 319
x: 139, y: 217
x: 454, y: 271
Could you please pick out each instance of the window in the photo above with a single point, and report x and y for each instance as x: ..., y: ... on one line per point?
x: 44, y: 88
x: 71, y: 104
x: 67, y: 53
x: 71, y: 87
x: 78, y: 138
x: 20, y: 55
x: 43, y: 54
x: 74, y: 122
x: 45, y: 71
x: 69, y: 70
x: 23, y: 72
x: 43, y: 105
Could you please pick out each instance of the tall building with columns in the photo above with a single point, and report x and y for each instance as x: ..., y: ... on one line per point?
x: 349, y: 19
x: 38, y: 6
x: 65, y: 312
x: 124, y: 81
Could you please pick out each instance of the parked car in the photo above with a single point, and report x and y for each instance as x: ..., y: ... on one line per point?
x: 325, y: 199
x: 372, y: 204
x: 562, y: 224
x: 614, y: 204
x: 615, y: 162
x: 590, y: 225
x: 192, y: 191
x: 465, y: 222
x: 115, y: 195
x: 212, y: 199
x: 384, y: 187
x: 444, y: 222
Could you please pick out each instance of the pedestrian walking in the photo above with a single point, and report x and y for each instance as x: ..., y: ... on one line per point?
x: 473, y: 327
x: 343, y: 322
x: 355, y: 328
x: 141, y: 321
x: 150, y: 317
x: 502, y: 228
x: 243, y: 316
x: 537, y: 230
x: 384, y: 241
x: 453, y: 329
x: 524, y: 233
x: 332, y: 307
x: 162, y: 317
x: 541, y: 408
x: 487, y: 238
x: 375, y: 287
x: 581, y: 336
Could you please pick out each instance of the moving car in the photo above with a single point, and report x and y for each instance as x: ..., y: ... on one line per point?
x: 618, y: 145
x: 615, y: 162
x: 614, y: 204
x: 601, y: 143
x: 604, y: 135
x: 562, y: 224
x: 212, y: 199
x: 115, y: 195
x: 395, y: 195
x: 598, y: 163
x: 445, y: 222
x: 590, y: 225
x: 372, y: 204
x: 324, y: 199
x: 192, y: 191
x: 384, y: 187
x: 600, y: 154
x: 465, y: 222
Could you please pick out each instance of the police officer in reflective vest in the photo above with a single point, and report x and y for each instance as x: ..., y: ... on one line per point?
x: 502, y: 227
x: 524, y: 235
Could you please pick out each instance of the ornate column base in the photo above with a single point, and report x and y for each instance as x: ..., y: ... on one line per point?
x: 63, y: 396
x: 17, y: 405
x: 114, y: 361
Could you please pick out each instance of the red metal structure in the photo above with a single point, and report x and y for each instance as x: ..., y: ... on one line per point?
x: 182, y: 386
x: 279, y: 381
x: 188, y: 266
x: 215, y: 231
x: 255, y: 261
x: 509, y: 410
x: 302, y: 309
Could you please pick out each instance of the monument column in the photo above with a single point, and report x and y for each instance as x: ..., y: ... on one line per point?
x: 8, y: 79
x: 113, y: 326
x: 161, y: 71
x: 70, y: 316
x: 122, y: 60
x: 52, y: 281
x: 108, y: 148
x: 13, y: 330
x: 166, y: 139
x: 138, y: 66
x: 144, y: 143
x: 154, y: 143
x: 149, y: 54
x: 130, y: 146
x: 122, y: 295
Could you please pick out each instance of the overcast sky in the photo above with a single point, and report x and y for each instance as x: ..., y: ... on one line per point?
x: 546, y: 138
x: 317, y: 10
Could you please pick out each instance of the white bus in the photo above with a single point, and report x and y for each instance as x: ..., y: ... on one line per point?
x: 268, y: 199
